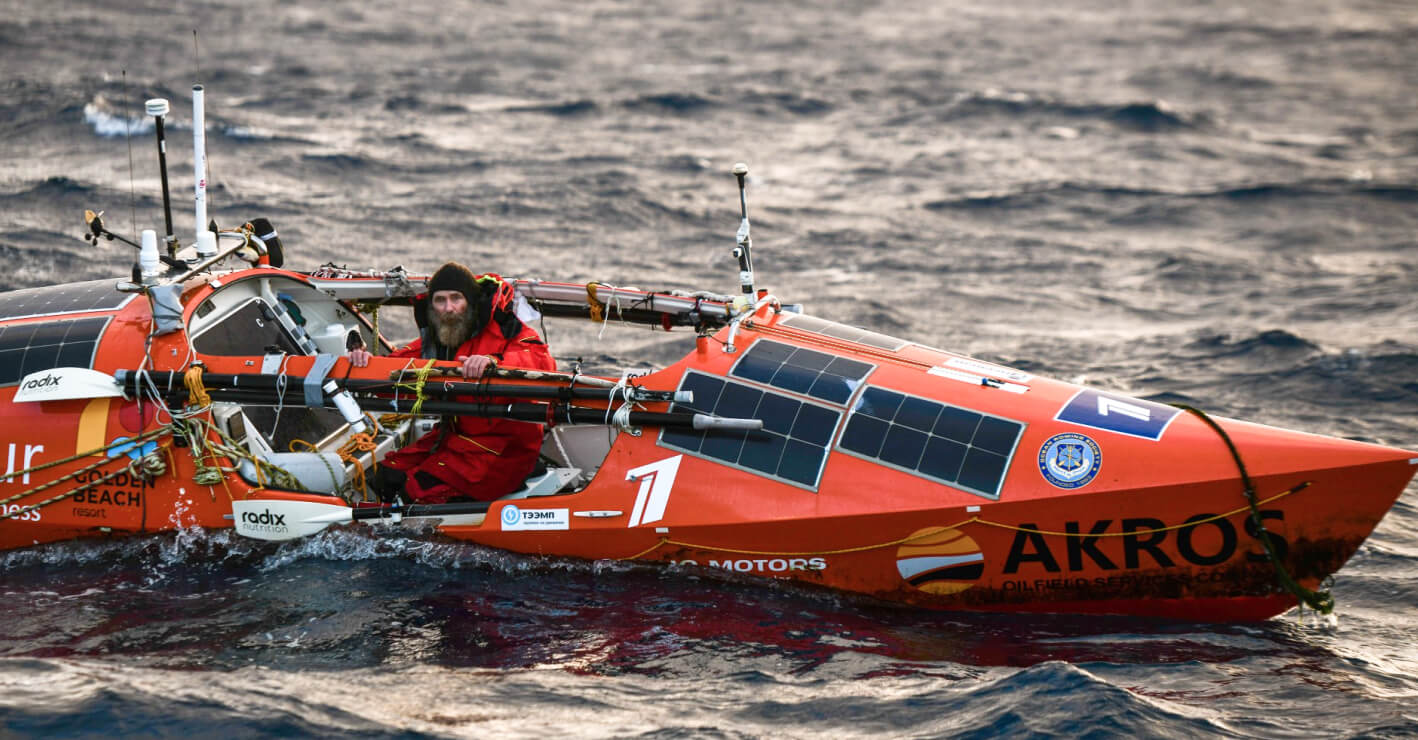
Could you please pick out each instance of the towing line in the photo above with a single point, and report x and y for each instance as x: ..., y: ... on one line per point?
x: 932, y: 531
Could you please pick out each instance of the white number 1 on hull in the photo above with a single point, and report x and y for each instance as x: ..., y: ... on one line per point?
x: 656, y: 480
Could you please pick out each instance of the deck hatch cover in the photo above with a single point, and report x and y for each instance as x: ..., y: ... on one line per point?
x: 791, y: 447
x: 842, y: 331
x: 800, y: 370
x: 949, y: 444
x: 52, y: 300
x: 44, y: 345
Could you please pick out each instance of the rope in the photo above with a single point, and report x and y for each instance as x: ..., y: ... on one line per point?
x: 372, y: 310
x: 210, y: 474
x: 597, y: 307
x: 68, y: 476
x: 841, y: 551
x: 1253, y: 506
x: 616, y: 304
x: 145, y: 436
x: 1322, y: 600
x: 280, y: 395
x: 357, y: 445
x: 148, y: 466
x: 420, y: 380
x: 197, y: 394
x: 1155, y: 530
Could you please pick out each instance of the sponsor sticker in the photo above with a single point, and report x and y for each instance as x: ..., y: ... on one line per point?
x: 516, y: 519
x: 657, y: 480
x: 1069, y: 460
x: 986, y: 368
x: 977, y: 379
x: 940, y: 561
x: 66, y: 383
x: 1117, y: 413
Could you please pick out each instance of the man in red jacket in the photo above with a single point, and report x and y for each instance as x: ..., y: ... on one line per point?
x: 471, y: 320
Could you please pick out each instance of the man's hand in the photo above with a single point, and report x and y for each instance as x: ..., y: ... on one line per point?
x: 359, y: 357
x: 477, y: 366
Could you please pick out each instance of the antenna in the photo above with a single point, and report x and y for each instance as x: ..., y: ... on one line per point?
x: 206, y: 240
x: 745, y: 243
x: 157, y: 108
x: 128, y: 137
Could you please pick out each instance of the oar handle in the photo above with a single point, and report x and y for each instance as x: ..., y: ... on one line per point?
x: 365, y: 513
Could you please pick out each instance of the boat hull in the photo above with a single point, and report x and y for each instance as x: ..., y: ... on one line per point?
x: 1189, y: 552
x: 884, y: 468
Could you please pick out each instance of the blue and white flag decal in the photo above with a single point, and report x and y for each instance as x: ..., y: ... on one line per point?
x: 1117, y: 413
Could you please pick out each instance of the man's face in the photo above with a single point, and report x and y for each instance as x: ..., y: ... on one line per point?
x: 451, y: 319
x: 450, y: 304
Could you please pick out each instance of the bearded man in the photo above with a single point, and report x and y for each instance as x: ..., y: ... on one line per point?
x: 471, y: 320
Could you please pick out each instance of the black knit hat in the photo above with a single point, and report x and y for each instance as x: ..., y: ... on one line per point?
x: 453, y: 276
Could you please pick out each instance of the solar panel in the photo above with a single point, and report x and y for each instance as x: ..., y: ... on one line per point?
x: 28, y: 348
x: 949, y: 444
x: 842, y: 331
x: 93, y: 295
x: 800, y: 370
x: 791, y: 447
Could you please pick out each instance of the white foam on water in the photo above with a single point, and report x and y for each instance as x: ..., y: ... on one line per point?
x: 108, y: 124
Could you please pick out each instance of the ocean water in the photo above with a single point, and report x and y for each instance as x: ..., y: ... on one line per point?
x: 1211, y: 203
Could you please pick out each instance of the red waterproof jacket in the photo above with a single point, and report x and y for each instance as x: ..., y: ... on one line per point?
x: 476, y: 457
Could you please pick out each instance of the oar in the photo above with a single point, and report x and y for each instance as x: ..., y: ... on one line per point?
x: 280, y: 519
x: 293, y: 383
x: 535, y: 413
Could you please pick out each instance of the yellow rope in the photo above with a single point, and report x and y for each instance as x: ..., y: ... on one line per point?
x: 350, y: 451
x: 972, y: 520
x: 1136, y: 532
x: 420, y: 380
x: 598, y: 309
x: 196, y: 392
x: 648, y: 550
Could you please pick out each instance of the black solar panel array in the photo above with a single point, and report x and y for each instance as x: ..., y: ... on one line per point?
x: 842, y: 331
x: 945, y: 443
x: 94, y: 295
x: 792, y: 446
x: 44, y: 345
x: 800, y: 370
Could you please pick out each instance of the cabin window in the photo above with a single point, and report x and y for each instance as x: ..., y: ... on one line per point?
x: 963, y: 448
x: 254, y: 330
x: 791, y: 447
x: 249, y: 330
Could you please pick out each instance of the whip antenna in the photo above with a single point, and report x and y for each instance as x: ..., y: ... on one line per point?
x: 128, y: 137
x: 742, y: 251
x: 157, y: 108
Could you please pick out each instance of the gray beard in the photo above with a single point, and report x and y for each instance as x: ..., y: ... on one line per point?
x: 451, y: 333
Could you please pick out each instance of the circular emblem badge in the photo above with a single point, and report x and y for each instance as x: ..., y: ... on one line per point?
x: 1069, y: 460
x: 511, y: 515
x: 940, y: 561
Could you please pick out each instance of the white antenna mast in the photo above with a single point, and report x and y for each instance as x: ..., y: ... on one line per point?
x: 206, y: 240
